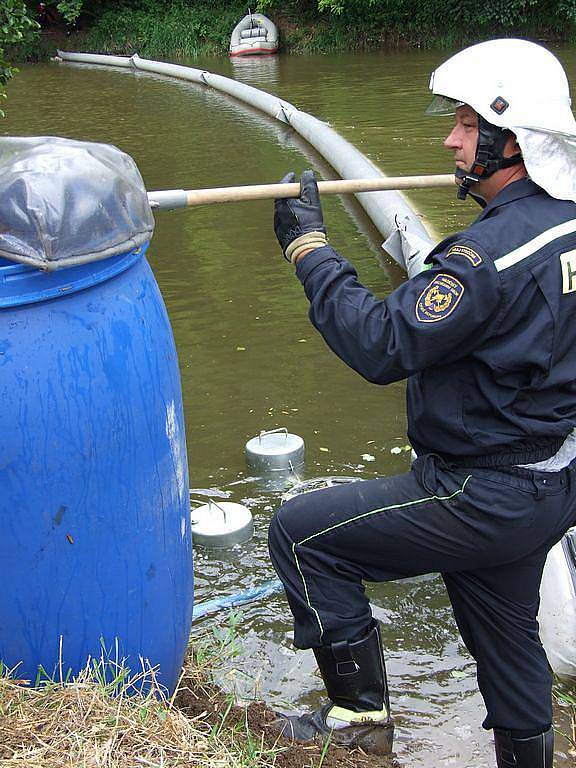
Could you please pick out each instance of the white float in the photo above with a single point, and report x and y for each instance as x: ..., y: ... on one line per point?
x: 275, y: 450
x: 221, y: 524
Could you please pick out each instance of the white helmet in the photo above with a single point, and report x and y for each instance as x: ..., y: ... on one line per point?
x: 519, y: 86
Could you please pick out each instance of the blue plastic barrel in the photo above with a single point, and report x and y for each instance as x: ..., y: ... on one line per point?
x: 95, y: 544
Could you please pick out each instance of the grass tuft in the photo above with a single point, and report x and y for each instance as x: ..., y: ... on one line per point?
x: 565, y: 697
x: 109, y: 717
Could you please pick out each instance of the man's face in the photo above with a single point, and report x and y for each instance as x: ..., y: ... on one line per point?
x: 463, y: 138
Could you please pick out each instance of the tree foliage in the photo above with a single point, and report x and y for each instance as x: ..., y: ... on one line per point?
x: 70, y: 9
x: 16, y: 26
x: 496, y: 16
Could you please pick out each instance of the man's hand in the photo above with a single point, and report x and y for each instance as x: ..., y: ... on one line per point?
x: 298, y: 221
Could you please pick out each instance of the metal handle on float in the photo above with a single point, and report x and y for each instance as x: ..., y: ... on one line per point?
x: 278, y: 430
x: 181, y: 198
x: 211, y: 502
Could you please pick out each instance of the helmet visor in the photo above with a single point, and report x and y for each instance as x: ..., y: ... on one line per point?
x: 443, y: 106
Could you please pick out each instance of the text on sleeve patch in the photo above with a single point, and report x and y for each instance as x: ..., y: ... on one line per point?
x: 469, y: 253
x: 439, y: 299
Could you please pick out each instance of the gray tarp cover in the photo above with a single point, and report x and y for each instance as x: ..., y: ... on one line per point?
x: 65, y: 202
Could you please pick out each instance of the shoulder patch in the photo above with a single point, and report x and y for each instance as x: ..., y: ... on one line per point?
x: 469, y: 253
x: 439, y: 299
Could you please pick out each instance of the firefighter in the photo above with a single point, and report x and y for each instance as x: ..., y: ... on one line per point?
x: 486, y: 337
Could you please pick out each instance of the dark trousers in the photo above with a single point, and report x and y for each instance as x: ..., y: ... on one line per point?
x: 486, y: 531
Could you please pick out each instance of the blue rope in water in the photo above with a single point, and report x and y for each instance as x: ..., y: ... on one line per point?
x: 231, y: 601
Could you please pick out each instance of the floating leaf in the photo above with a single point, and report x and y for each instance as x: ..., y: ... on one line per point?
x: 240, y: 349
x: 325, y: 450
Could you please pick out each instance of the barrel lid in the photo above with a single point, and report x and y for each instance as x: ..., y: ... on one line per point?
x: 221, y: 524
x: 67, y: 202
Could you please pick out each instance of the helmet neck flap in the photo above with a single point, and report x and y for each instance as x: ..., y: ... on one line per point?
x: 489, y: 156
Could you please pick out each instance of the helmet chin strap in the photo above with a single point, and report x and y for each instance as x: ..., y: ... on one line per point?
x: 489, y: 156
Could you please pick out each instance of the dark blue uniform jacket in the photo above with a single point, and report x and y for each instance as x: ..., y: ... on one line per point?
x: 486, y: 337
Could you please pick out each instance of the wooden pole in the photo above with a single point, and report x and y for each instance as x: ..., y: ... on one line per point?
x: 179, y: 198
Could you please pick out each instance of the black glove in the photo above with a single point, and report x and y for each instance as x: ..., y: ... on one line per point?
x: 296, y: 216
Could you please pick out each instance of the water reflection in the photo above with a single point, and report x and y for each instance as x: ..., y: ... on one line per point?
x: 260, y: 71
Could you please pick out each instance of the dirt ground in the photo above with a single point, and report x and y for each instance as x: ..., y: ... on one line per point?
x: 213, y: 704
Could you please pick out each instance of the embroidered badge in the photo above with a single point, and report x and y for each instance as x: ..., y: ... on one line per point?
x: 464, y: 250
x: 439, y: 299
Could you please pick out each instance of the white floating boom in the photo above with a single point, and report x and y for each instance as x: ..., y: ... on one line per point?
x: 388, y: 208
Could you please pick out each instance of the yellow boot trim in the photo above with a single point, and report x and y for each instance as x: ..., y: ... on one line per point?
x: 349, y: 716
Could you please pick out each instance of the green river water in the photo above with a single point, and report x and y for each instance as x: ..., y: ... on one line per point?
x: 249, y: 358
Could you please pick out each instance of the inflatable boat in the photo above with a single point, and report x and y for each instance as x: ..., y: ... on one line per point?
x: 254, y: 35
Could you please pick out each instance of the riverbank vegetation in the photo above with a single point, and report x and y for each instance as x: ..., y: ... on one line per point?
x: 93, y: 721
x: 565, y: 697
x: 96, y: 720
x: 168, y: 28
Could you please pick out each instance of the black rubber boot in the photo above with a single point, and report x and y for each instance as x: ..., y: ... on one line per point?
x: 355, y: 678
x: 534, y: 752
